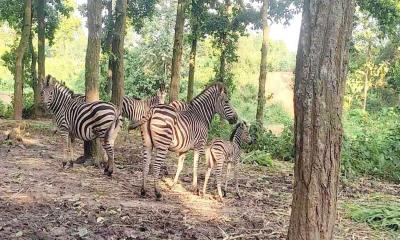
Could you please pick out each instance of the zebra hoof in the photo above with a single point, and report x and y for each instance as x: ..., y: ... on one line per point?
x: 196, y: 191
x: 63, y: 164
x: 158, y: 196
x: 224, y: 193
x: 142, y: 192
x: 70, y: 164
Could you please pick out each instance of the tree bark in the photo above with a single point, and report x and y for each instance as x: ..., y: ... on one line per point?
x: 94, y: 8
x: 321, y: 68
x: 177, y: 51
x: 263, y: 65
x: 118, y: 54
x: 41, y: 54
x: 192, y: 66
x: 108, y: 45
x: 21, y: 49
x: 34, y: 76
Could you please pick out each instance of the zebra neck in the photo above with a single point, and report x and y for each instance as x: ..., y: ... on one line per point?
x: 205, y: 105
x: 237, y: 140
x: 153, y: 101
x: 59, y: 102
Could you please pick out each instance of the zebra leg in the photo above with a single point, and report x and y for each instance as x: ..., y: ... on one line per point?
x: 161, y: 154
x: 219, y: 178
x: 181, y: 159
x: 71, y: 152
x: 109, y: 167
x: 66, y: 147
x: 228, y: 170
x: 146, y: 152
x: 236, y: 182
x: 195, y: 164
x: 206, y: 180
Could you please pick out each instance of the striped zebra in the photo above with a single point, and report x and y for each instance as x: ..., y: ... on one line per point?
x: 77, y: 119
x: 221, y: 151
x: 179, y: 105
x: 135, y: 109
x: 166, y: 129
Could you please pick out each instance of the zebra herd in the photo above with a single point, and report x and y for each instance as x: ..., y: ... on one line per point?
x: 178, y: 127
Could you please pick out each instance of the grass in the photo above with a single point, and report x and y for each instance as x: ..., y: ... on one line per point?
x: 380, y: 212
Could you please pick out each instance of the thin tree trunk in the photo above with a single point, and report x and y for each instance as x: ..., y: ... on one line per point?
x: 366, y: 79
x: 222, y: 59
x: 94, y: 8
x: 21, y: 49
x: 263, y: 65
x: 192, y: 66
x: 108, y: 45
x: 118, y: 53
x: 34, y: 77
x: 41, y: 53
x: 177, y: 51
x: 321, y: 68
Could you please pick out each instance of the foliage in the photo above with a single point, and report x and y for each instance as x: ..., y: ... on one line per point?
x: 280, y: 147
x: 372, y: 144
x: 258, y: 157
x: 379, y: 214
x: 6, y: 110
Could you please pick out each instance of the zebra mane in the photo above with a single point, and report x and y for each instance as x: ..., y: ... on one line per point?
x: 50, y: 80
x: 218, y: 85
x: 237, y: 126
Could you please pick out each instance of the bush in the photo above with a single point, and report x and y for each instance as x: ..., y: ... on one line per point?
x: 384, y: 216
x: 280, y: 147
x: 371, y: 144
x: 5, y: 110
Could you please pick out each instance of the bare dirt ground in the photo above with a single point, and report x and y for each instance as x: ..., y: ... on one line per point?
x: 39, y: 200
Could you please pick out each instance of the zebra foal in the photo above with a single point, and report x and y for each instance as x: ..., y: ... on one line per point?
x: 77, y: 119
x: 166, y: 129
x: 221, y: 151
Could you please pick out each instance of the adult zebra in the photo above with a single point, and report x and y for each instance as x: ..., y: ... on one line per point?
x: 77, y: 119
x: 166, y: 129
x: 135, y: 109
x: 179, y: 105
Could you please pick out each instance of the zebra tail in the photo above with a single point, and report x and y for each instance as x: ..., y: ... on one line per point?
x: 141, y: 121
x: 115, y: 125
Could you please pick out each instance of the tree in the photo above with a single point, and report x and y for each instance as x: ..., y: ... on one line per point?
x: 177, y: 50
x: 321, y: 68
x: 20, y: 52
x: 94, y: 8
x: 198, y: 15
x: 118, y: 53
x: 263, y: 65
x: 40, y: 10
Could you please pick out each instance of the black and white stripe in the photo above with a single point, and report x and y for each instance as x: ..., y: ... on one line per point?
x: 221, y: 151
x: 135, y: 109
x: 179, y: 105
x: 86, y: 121
x: 166, y: 129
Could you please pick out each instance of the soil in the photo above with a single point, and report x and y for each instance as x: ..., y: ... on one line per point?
x: 40, y: 200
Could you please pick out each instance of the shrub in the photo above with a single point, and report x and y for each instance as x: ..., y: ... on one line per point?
x: 5, y: 110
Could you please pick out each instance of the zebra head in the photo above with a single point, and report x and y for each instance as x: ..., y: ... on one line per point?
x: 223, y: 106
x: 54, y: 93
x: 241, y: 134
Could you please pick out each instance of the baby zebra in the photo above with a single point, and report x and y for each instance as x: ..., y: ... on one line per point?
x: 77, y: 119
x: 135, y: 109
x: 229, y: 151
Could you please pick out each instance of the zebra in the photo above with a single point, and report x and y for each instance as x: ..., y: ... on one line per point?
x: 221, y: 151
x: 135, y: 109
x: 77, y: 119
x: 166, y: 129
x: 179, y: 105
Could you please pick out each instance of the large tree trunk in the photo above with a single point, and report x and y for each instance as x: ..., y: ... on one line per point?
x: 94, y: 8
x: 192, y: 66
x: 41, y: 54
x: 177, y: 51
x: 263, y: 65
x: 21, y: 49
x: 118, y: 53
x: 321, y: 67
